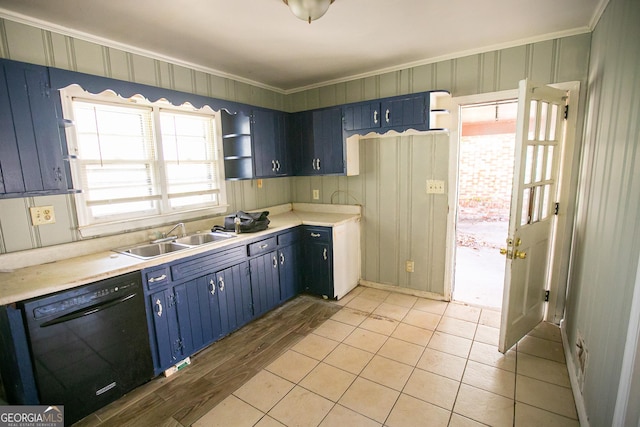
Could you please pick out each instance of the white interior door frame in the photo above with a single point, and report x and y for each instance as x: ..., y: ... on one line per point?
x: 454, y: 148
x: 566, y: 195
x: 626, y: 410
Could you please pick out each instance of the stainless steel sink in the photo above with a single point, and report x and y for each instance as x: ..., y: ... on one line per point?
x: 152, y: 250
x: 202, y: 238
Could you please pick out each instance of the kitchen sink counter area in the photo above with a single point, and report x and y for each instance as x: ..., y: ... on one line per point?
x: 57, y: 275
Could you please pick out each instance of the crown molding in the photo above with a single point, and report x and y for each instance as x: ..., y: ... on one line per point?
x: 598, y: 14
x: 447, y: 57
x: 49, y: 26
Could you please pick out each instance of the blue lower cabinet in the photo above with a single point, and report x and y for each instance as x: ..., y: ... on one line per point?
x: 194, y: 302
x: 289, y: 271
x: 168, y: 349
x: 198, y: 313
x: 234, y: 293
x: 265, y: 282
x: 187, y: 317
x: 318, y: 261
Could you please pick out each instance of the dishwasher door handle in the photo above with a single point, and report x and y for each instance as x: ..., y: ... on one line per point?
x: 88, y: 310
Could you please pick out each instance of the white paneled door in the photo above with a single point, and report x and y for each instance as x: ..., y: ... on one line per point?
x: 539, y: 141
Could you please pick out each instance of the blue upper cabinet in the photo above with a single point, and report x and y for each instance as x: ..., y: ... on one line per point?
x: 236, y: 145
x: 318, y: 138
x: 399, y: 113
x: 362, y: 116
x: 406, y: 112
x: 271, y: 150
x: 31, y: 160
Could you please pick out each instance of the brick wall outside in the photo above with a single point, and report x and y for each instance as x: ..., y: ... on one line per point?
x: 485, y: 176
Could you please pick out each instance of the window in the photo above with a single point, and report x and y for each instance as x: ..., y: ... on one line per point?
x: 139, y: 163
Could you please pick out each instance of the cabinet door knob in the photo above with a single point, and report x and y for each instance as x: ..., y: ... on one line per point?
x: 275, y: 262
x: 318, y: 163
x: 221, y: 283
x: 313, y: 164
x: 375, y: 116
x: 281, y: 258
x: 273, y: 165
x: 387, y: 115
x: 264, y: 246
x: 315, y: 235
x: 324, y: 254
x: 277, y: 165
x: 159, y: 307
x: 212, y: 287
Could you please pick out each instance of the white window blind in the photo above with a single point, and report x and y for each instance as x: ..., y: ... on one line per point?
x: 117, y: 160
x: 139, y: 163
x: 190, y: 160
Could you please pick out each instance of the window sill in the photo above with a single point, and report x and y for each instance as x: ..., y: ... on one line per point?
x: 125, y: 226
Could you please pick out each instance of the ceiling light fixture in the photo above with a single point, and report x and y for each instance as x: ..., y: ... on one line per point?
x: 308, y: 10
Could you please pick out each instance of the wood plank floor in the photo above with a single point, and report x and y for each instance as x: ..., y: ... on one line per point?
x: 217, y: 371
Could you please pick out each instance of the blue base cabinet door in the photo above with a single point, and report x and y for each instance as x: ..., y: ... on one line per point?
x: 166, y: 331
x: 265, y: 282
x: 289, y: 271
x: 234, y: 293
x: 318, y: 248
x: 198, y: 313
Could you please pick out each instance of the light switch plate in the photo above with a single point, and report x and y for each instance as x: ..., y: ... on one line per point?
x: 435, y: 186
x: 316, y: 194
x: 41, y: 215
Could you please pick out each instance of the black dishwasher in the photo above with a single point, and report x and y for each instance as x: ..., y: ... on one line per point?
x: 89, y: 345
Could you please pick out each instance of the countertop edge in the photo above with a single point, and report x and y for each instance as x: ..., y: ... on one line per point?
x: 108, y: 264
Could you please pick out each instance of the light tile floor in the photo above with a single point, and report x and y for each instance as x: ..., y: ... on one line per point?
x: 397, y: 360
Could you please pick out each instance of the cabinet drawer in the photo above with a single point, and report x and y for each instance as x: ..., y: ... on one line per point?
x: 289, y: 237
x: 156, y: 277
x: 261, y: 247
x: 206, y: 264
x: 320, y: 234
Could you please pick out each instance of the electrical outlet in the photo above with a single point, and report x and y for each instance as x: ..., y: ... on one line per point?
x: 259, y: 183
x: 435, y: 186
x: 42, y: 215
x: 409, y: 266
x: 316, y: 194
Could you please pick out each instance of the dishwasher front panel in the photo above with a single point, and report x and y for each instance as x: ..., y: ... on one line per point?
x: 89, y: 345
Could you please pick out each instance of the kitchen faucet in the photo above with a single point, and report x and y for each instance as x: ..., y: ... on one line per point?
x: 167, y: 236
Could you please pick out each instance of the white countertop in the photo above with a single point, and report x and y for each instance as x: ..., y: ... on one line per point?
x: 42, y: 279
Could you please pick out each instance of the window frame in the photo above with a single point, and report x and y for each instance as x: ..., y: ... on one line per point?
x: 88, y: 226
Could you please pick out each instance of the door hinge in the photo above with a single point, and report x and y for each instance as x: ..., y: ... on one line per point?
x: 546, y: 296
x: 566, y: 111
x: 556, y: 209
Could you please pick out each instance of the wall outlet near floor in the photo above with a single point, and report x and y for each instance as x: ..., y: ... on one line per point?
x: 259, y: 182
x: 435, y: 186
x: 316, y: 194
x: 409, y: 266
x: 41, y: 215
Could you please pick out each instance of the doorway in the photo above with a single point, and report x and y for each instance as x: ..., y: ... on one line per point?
x: 485, y: 175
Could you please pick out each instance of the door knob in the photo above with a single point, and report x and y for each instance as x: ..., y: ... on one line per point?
x: 521, y: 255
x: 503, y: 251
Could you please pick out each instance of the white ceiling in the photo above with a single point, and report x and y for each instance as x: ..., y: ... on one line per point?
x: 261, y: 41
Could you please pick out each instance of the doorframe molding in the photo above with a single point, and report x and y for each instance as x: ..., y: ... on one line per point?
x: 566, y: 195
x: 629, y: 385
x: 452, y: 196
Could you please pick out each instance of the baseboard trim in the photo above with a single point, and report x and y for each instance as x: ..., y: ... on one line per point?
x: 571, y: 367
x: 398, y: 289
